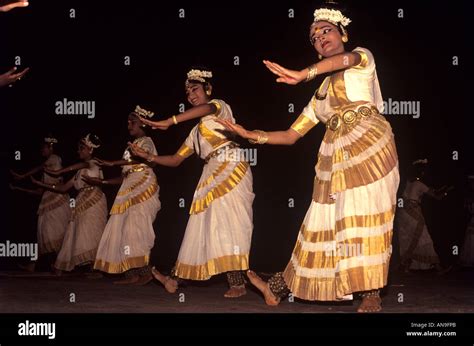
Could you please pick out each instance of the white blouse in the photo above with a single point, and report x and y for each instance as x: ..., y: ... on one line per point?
x: 208, y: 135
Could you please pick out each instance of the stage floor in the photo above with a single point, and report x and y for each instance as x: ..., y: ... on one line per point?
x: 44, y: 293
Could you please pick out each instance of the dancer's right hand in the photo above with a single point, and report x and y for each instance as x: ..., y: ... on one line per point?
x: 285, y: 75
x: 12, y: 187
x: 14, y: 4
x: 10, y: 76
x: 137, y: 151
x: 160, y: 125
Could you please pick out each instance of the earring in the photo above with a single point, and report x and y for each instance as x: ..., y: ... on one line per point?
x: 208, y: 93
x: 320, y: 56
x: 345, y: 38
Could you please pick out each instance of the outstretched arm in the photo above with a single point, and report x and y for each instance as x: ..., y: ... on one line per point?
x: 193, y: 113
x: 18, y: 176
x: 37, y: 192
x: 74, y: 167
x: 167, y: 160
x: 337, y: 62
x: 60, y: 188
x: 288, y: 137
x: 98, y: 182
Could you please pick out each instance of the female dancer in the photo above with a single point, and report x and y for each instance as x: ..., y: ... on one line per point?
x: 129, y: 236
x: 416, y: 247
x: 344, y: 243
x: 90, y: 212
x: 219, y: 231
x: 54, y: 211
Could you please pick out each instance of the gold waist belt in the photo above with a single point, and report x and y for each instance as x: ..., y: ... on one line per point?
x: 137, y: 168
x: 350, y: 117
x: 216, y: 152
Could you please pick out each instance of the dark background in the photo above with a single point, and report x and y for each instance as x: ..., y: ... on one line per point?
x: 83, y: 59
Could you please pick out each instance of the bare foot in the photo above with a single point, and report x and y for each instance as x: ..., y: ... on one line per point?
x: 370, y: 304
x: 263, y: 287
x: 170, y: 284
x: 127, y: 281
x: 236, y: 292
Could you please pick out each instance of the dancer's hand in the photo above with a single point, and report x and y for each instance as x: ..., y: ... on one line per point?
x: 285, y: 75
x: 234, y: 128
x: 91, y: 180
x: 138, y: 151
x: 12, y: 187
x: 160, y: 125
x: 105, y: 163
x: 14, y: 4
x: 16, y: 176
x: 10, y: 76
x: 34, y: 180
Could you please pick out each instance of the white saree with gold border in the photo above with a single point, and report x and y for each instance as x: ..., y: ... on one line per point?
x: 88, y: 219
x: 219, y: 231
x: 53, y: 212
x: 129, y: 235
x: 344, y: 243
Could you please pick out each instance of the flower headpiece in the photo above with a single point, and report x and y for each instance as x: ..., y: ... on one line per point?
x: 50, y: 140
x: 331, y: 15
x: 198, y: 75
x: 141, y: 112
x: 86, y: 140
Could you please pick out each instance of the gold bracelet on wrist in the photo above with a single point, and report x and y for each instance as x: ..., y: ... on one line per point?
x: 312, y: 72
x: 262, y: 137
x: 175, y: 121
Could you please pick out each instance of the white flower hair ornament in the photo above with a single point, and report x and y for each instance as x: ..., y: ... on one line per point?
x: 198, y: 75
x: 333, y: 16
x: 86, y: 140
x: 50, y: 140
x: 143, y: 112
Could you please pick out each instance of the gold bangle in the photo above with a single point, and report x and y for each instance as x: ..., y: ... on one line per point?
x: 262, y: 137
x: 312, y: 72
x: 175, y: 121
